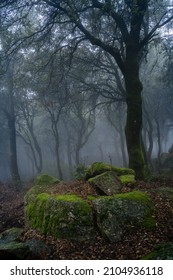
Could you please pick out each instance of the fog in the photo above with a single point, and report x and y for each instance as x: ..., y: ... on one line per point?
x: 64, y: 99
x: 102, y: 145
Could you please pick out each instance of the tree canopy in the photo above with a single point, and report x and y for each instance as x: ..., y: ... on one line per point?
x: 121, y: 29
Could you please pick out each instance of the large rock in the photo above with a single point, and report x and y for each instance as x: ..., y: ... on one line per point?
x: 10, y: 247
x: 10, y: 235
x: 106, y: 183
x: 45, y: 179
x: 117, y: 213
x: 63, y: 216
x: 100, y: 167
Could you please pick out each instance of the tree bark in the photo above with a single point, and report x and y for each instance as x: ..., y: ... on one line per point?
x: 39, y: 163
x: 13, y: 152
x: 69, y: 147
x: 56, y: 135
x: 78, y: 147
x: 159, y: 144
x: 58, y: 159
x: 10, y: 114
x: 134, y: 112
x: 122, y: 145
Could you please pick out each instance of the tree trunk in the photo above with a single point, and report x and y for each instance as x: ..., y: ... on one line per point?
x: 134, y: 112
x: 69, y: 147
x: 148, y: 134
x: 159, y: 145
x: 39, y: 162
x: 69, y: 155
x: 10, y: 114
x: 13, y: 152
x: 150, y: 140
x: 122, y: 145
x: 77, y: 154
x: 79, y: 145
x: 122, y: 137
x: 58, y: 157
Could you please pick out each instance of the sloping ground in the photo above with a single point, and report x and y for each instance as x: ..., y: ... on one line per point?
x: 11, y: 207
x: 134, y: 245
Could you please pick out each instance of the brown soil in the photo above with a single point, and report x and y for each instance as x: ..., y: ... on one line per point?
x: 134, y: 244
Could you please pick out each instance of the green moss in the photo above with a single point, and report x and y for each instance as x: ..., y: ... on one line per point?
x: 31, y: 195
x: 97, y: 168
x: 100, y: 167
x: 135, y: 195
x: 43, y: 196
x: 35, y: 210
x: 137, y: 162
x: 124, y: 171
x: 149, y: 222
x: 43, y: 185
x: 60, y: 215
x: 69, y: 197
x: 126, y: 179
x: 43, y: 179
x: 91, y: 197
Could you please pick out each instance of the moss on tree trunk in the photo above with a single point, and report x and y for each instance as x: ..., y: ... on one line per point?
x: 134, y: 113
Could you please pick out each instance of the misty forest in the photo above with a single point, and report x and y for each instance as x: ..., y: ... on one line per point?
x: 86, y: 129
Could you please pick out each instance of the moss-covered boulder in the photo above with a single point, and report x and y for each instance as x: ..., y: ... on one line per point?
x: 100, y: 167
x: 161, y: 252
x: 62, y: 216
x: 106, y: 183
x: 10, y: 247
x: 45, y: 179
x: 117, y: 213
x: 10, y: 235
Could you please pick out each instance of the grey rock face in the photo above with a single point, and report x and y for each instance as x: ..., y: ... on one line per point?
x: 107, y: 182
x: 115, y: 214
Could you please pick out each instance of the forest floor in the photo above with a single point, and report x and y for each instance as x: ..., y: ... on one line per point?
x: 134, y: 245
